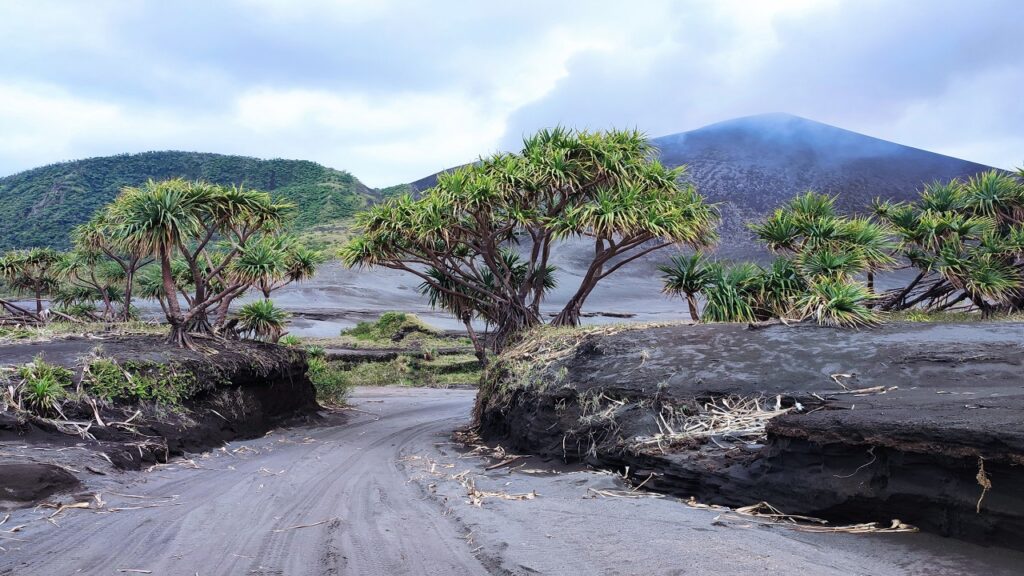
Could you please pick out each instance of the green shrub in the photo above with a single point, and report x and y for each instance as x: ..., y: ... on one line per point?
x: 290, y: 340
x: 390, y: 326
x: 43, y: 385
x: 331, y: 383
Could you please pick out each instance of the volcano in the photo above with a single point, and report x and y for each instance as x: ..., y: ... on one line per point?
x: 751, y: 165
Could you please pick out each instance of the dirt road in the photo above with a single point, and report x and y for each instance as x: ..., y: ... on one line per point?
x: 376, y: 491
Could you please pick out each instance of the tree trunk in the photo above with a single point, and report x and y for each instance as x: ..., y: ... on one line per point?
x: 897, y: 302
x: 199, y: 323
x: 517, y: 320
x: 128, y: 283
x: 479, y: 350
x: 871, y: 282
x: 39, y: 300
x: 179, y: 333
x: 108, y: 307
x: 223, y: 308
x: 691, y: 301
x: 570, y: 314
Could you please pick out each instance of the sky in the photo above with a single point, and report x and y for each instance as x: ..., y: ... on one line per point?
x: 393, y: 90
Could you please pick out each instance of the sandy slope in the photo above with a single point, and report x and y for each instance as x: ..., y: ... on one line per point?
x: 379, y: 480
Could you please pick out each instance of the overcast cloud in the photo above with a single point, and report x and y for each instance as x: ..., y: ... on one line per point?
x: 393, y: 90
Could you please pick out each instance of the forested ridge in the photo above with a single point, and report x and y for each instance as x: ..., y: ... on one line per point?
x: 39, y: 207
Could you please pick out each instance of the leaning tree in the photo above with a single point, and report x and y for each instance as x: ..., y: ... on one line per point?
x: 482, y: 239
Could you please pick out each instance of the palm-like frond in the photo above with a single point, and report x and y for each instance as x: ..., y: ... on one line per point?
x: 263, y: 320
x: 835, y: 302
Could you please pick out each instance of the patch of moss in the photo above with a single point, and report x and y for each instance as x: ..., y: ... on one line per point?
x: 135, y: 381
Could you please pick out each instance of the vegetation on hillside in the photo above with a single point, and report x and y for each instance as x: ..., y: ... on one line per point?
x: 39, y: 207
x: 481, y: 239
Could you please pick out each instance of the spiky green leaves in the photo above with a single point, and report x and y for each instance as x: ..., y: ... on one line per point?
x: 834, y: 302
x: 263, y: 320
x: 564, y: 183
x: 972, y: 233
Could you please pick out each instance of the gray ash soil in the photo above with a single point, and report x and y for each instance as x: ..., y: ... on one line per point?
x: 370, y: 492
x: 953, y: 398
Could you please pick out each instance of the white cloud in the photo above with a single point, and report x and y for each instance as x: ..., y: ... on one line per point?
x: 394, y: 90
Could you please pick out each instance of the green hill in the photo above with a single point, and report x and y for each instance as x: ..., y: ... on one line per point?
x: 40, y: 206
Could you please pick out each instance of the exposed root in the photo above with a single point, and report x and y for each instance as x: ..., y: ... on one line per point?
x: 734, y: 418
x: 983, y: 481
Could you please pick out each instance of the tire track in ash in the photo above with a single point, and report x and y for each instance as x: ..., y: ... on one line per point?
x: 224, y: 520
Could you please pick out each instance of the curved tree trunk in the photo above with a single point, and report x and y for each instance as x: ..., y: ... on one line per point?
x: 39, y: 300
x: 691, y: 301
x: 570, y: 314
x: 479, y: 349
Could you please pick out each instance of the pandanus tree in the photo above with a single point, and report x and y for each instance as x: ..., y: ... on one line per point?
x: 187, y: 220
x: 828, y: 252
x: 30, y: 272
x: 966, y: 240
x: 456, y: 238
x: 97, y: 245
x: 688, y: 276
x: 821, y: 255
x: 85, y: 278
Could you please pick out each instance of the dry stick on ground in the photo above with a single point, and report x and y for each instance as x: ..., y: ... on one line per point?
x: 305, y: 525
x: 763, y: 510
x: 623, y: 494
